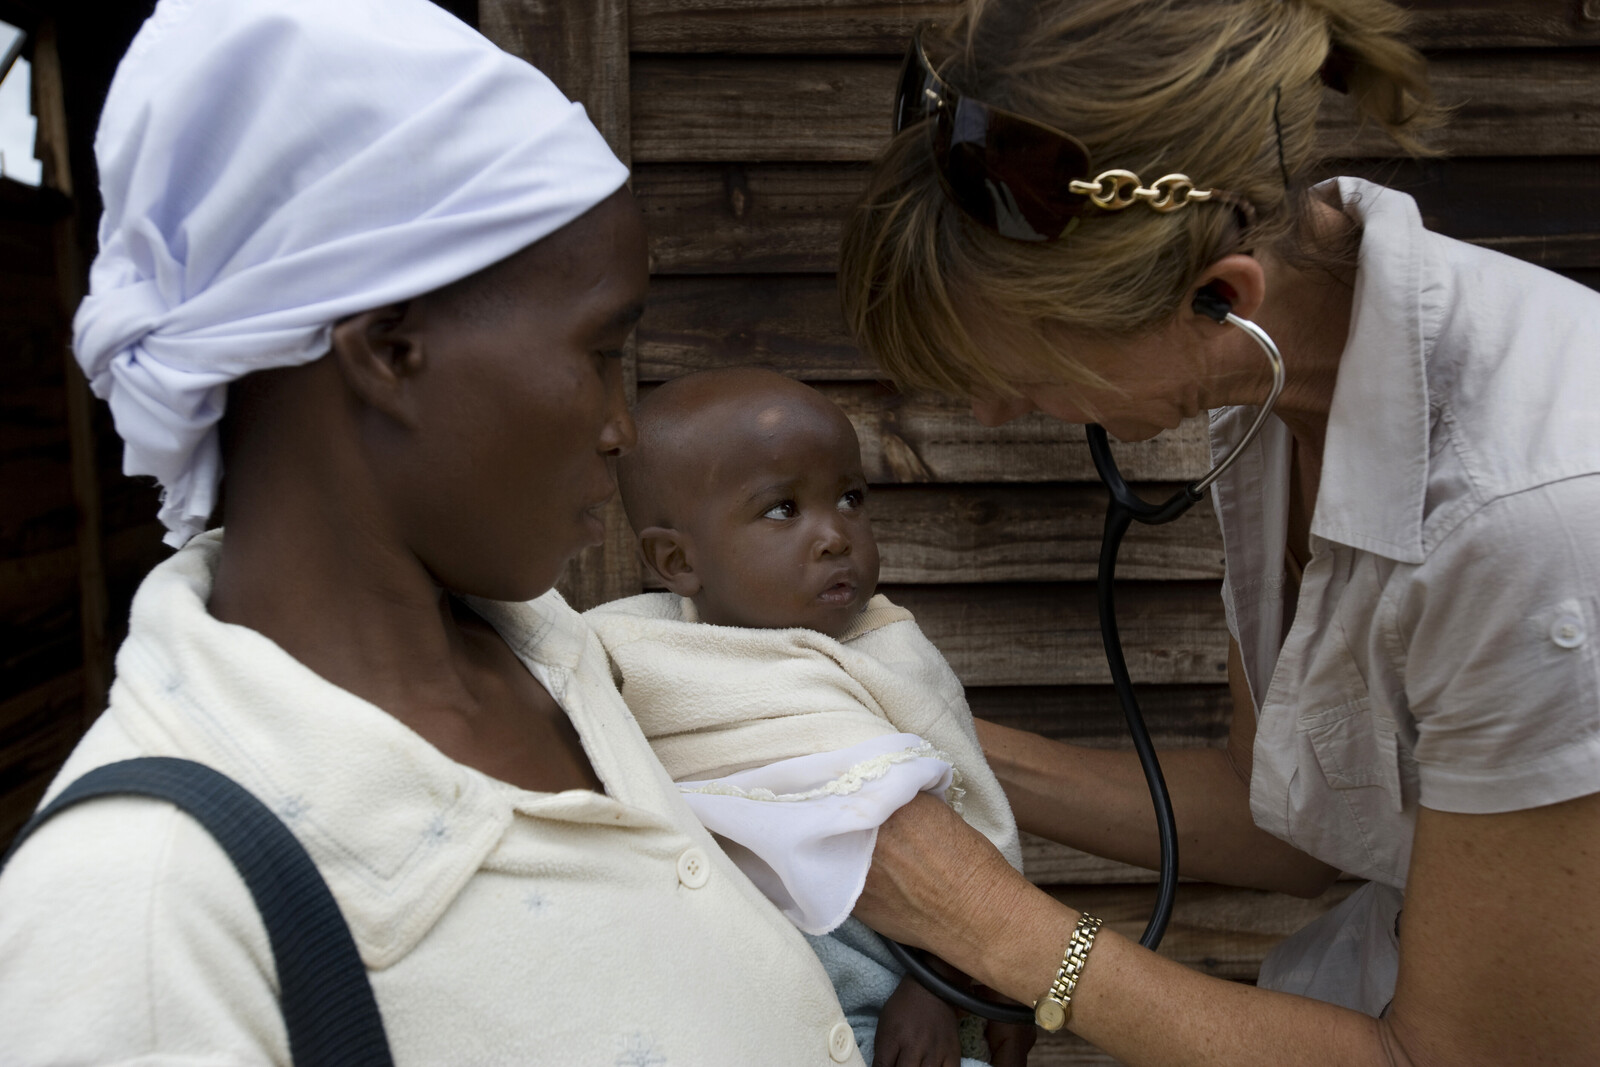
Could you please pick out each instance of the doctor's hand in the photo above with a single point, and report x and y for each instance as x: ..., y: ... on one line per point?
x: 938, y: 884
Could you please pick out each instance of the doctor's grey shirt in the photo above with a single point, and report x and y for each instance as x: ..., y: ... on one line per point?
x: 1442, y: 648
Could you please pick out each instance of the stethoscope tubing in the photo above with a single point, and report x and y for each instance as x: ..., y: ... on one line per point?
x: 1124, y: 508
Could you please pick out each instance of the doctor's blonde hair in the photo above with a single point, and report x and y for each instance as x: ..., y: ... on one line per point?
x: 1200, y: 87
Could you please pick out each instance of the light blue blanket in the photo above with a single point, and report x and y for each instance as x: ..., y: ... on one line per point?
x: 864, y: 974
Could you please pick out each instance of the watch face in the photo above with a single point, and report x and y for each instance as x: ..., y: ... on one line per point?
x: 1049, y: 1014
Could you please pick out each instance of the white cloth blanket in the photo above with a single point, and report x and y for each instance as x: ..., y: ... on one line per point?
x: 794, y: 747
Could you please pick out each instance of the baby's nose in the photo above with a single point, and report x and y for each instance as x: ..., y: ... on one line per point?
x: 833, y: 540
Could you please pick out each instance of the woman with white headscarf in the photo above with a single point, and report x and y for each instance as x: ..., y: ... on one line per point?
x: 378, y: 272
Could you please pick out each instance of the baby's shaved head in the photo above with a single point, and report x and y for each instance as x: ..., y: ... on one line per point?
x: 746, y: 492
x: 686, y: 425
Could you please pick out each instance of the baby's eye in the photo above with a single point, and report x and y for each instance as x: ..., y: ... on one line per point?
x: 854, y: 500
x: 783, y: 510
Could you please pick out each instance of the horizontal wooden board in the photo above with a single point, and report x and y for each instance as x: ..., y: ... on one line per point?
x: 1049, y: 864
x: 877, y: 27
x: 1589, y: 277
x: 38, y: 728
x: 926, y: 438
x: 1046, y: 533
x: 1049, y: 634
x: 789, y: 322
x: 1193, y: 716
x: 1177, y: 716
x: 1029, y: 533
x: 33, y: 583
x: 828, y: 109
x: 27, y: 247
x: 1495, y: 197
x: 748, y: 218
x: 37, y: 511
x: 708, y: 218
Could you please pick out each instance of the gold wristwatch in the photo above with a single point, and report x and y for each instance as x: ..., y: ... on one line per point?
x: 1052, y: 1010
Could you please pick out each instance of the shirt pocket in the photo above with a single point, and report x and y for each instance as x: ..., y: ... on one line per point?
x: 1356, y: 748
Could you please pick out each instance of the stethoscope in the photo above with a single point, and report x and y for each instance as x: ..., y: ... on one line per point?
x: 1125, y: 508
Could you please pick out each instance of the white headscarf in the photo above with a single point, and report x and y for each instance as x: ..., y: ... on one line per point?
x: 271, y: 166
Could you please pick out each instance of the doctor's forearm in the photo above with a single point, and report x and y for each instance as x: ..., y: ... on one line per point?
x: 1096, y: 800
x: 976, y: 912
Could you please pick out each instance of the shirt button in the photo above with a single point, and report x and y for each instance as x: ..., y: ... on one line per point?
x: 693, y: 868
x: 1567, y: 631
x: 841, y: 1042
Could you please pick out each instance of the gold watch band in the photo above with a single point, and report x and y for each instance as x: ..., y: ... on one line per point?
x: 1052, y: 1010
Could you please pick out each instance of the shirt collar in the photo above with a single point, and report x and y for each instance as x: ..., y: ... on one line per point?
x: 1375, y: 459
x: 396, y: 827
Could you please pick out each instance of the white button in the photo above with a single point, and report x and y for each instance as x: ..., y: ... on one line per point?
x: 841, y: 1042
x: 693, y: 868
x: 1567, y: 631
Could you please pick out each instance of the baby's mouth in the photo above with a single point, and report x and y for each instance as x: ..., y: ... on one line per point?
x: 840, y: 592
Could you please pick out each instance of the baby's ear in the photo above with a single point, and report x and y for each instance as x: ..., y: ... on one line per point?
x: 666, y: 552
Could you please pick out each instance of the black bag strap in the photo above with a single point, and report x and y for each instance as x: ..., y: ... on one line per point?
x: 328, y: 1007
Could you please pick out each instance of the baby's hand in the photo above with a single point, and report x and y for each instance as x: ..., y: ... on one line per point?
x: 1009, y: 1043
x: 916, y: 1029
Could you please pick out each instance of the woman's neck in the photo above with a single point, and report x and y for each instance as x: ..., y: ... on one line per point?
x: 310, y: 560
x: 1307, y: 313
x: 341, y: 601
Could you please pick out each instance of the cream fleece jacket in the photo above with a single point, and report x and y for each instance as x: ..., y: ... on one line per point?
x: 499, y: 926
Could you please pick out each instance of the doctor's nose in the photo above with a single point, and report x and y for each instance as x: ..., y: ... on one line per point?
x: 1001, y: 410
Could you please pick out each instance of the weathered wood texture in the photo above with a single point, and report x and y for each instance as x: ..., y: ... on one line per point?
x: 830, y: 109
x: 38, y: 727
x: 1049, y: 634
x: 54, y: 150
x: 41, y: 679
x: 787, y: 218
x: 583, y: 48
x: 936, y: 535
x: 1179, y: 716
x: 1045, y: 533
x: 876, y: 27
x: 907, y: 439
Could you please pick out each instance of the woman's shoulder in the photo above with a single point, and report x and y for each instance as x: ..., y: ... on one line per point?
x: 137, y: 894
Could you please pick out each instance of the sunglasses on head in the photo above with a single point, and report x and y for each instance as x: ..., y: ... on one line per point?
x: 1020, y: 178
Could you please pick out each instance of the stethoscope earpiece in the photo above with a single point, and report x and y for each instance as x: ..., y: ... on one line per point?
x: 1212, y: 304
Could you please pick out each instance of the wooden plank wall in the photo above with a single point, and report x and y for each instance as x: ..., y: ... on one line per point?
x: 750, y: 125
x: 41, y: 675
x: 76, y: 537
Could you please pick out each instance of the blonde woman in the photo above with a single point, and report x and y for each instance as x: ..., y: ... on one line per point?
x: 1412, y: 548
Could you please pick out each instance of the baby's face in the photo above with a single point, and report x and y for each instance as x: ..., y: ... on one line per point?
x: 781, y: 537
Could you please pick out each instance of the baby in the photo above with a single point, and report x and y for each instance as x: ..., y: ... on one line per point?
x: 796, y: 709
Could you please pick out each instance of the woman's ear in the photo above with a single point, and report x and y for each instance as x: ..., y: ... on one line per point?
x: 667, y: 553
x: 379, y: 355
x: 1235, y: 280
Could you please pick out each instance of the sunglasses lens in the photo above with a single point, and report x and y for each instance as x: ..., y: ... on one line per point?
x: 1008, y: 173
